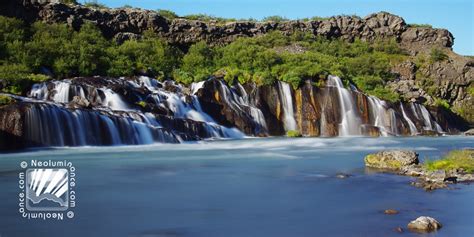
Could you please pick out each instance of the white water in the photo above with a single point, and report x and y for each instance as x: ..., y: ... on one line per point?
x: 52, y: 125
x: 350, y: 120
x: 242, y: 103
x: 176, y: 102
x: 429, y: 123
x: 411, y: 125
x: 287, y: 104
x: 113, y: 100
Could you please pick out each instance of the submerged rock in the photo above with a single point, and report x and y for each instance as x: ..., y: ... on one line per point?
x: 342, y: 176
x: 399, y: 229
x: 424, y: 224
x: 390, y: 212
x: 392, y: 160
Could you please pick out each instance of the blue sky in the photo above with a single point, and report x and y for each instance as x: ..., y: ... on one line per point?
x: 455, y: 15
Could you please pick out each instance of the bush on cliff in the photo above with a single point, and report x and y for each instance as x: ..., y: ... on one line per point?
x: 59, y: 51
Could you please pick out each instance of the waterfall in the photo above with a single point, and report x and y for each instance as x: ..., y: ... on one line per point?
x: 421, y: 113
x: 241, y: 103
x: 114, y: 122
x: 52, y: 125
x: 287, y: 104
x: 113, y: 100
x: 176, y: 102
x: 350, y: 120
x: 411, y: 125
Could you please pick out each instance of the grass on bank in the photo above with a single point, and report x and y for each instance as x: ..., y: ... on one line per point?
x: 293, y: 133
x: 454, y: 160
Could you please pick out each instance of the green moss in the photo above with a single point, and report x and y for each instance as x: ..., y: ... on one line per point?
x: 372, y: 160
x: 442, y: 103
x: 141, y: 104
x: 453, y: 160
x: 5, y: 100
x: 470, y: 90
x: 293, y: 133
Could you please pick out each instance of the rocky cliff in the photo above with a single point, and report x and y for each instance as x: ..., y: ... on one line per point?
x: 449, y: 80
x: 129, y: 22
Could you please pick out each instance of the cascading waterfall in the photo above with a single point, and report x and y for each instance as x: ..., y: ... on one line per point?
x: 64, y: 91
x: 51, y: 125
x: 383, y: 117
x: 54, y: 116
x: 181, y: 109
x: 242, y: 103
x: 422, y: 114
x: 350, y: 122
x: 113, y: 100
x: 287, y: 104
x: 411, y: 125
x: 114, y: 123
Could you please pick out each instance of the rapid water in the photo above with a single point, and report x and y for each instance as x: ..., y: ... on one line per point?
x: 251, y: 187
x: 287, y: 104
x: 350, y: 124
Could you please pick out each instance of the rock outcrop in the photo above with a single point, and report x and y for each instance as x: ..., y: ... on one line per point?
x: 407, y: 163
x: 127, y: 22
x: 392, y: 160
x: 424, y: 224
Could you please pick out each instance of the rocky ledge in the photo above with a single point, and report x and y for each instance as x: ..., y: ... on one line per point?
x: 405, y: 162
x: 131, y: 22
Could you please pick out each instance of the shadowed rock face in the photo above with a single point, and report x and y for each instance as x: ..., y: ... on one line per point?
x: 130, y: 23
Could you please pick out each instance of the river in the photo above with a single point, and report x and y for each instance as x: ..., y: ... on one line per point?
x: 250, y: 187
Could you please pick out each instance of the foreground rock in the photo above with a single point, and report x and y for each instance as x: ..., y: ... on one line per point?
x: 392, y: 160
x: 424, y: 224
x: 407, y: 163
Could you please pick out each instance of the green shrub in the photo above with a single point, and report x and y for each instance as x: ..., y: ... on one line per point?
x: 275, y: 18
x: 293, y: 133
x: 95, y: 4
x: 442, y: 103
x: 6, y: 100
x: 454, y: 160
x: 59, y: 50
x: 170, y: 15
x: 437, y: 55
x: 74, y: 2
x: 470, y: 90
x: 207, y: 18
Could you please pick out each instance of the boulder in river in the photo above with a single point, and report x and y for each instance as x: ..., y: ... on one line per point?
x: 392, y: 160
x: 424, y: 224
x: 469, y: 132
x: 390, y: 212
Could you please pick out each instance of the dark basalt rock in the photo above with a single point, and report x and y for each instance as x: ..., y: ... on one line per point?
x: 125, y: 23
